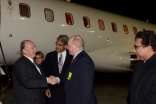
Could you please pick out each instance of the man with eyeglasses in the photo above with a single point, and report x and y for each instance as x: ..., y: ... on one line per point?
x: 56, y: 64
x: 142, y: 89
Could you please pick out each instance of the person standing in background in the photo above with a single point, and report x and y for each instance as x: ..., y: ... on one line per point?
x: 39, y: 59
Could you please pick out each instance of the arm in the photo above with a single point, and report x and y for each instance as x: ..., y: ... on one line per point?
x: 47, y: 93
x: 23, y: 74
x: 150, y: 97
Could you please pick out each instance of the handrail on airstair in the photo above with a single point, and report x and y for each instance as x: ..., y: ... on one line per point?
x: 4, y: 87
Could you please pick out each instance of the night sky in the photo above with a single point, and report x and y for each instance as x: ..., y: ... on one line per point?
x: 137, y: 9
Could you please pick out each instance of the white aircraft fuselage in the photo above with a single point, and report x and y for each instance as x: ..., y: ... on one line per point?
x: 110, y: 51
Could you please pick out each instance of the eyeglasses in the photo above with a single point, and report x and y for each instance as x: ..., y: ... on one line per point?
x: 136, y: 47
x: 59, y: 44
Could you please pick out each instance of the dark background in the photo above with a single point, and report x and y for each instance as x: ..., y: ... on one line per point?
x: 137, y: 9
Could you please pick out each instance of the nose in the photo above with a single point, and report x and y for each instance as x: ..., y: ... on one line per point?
x: 134, y: 50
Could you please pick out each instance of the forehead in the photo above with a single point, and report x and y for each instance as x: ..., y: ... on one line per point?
x: 29, y: 43
x: 38, y: 55
x: 58, y: 41
x: 138, y: 41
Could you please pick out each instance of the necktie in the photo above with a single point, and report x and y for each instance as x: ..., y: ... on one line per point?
x: 38, y: 69
x: 60, y: 63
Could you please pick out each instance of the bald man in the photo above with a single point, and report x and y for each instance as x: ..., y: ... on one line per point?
x: 28, y: 80
x: 80, y: 74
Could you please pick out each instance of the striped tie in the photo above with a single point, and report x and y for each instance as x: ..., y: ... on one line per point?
x: 60, y: 63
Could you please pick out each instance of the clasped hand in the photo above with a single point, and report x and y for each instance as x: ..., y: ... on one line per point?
x: 52, y: 80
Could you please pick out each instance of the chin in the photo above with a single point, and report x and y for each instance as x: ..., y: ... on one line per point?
x: 57, y: 50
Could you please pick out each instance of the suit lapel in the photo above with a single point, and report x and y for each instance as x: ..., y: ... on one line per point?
x: 34, y: 67
x: 42, y: 72
x: 56, y: 62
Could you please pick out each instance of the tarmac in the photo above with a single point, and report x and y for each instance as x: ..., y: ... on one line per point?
x: 110, y: 88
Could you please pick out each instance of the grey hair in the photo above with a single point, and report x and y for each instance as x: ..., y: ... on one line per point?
x: 63, y: 39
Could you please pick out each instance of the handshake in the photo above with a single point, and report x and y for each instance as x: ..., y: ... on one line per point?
x: 52, y: 80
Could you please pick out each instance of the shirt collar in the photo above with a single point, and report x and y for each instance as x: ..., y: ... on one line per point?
x: 32, y: 60
x: 77, y: 54
x: 150, y: 62
x: 63, y: 53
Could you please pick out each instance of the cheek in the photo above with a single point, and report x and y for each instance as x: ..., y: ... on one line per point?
x: 58, y: 48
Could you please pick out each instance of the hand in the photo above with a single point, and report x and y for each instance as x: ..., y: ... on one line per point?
x: 47, y: 93
x: 52, y: 80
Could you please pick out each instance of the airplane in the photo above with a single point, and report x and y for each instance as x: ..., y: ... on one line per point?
x: 109, y: 38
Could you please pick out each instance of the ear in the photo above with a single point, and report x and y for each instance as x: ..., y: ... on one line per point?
x: 150, y: 48
x: 23, y: 51
x: 75, y: 47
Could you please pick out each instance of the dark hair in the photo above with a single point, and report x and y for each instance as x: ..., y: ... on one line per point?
x: 148, y: 38
x: 63, y: 39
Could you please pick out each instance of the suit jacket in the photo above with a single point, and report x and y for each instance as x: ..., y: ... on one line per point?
x: 51, y: 68
x: 79, y: 81
x: 143, y: 86
x: 28, y: 84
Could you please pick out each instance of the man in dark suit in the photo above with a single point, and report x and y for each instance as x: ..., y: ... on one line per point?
x: 79, y: 78
x: 142, y: 89
x: 28, y: 80
x: 52, y: 66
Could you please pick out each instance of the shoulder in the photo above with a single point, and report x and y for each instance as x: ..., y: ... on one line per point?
x: 22, y: 60
x: 84, y: 56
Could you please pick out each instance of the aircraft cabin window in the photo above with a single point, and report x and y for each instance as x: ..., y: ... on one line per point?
x: 125, y: 29
x: 86, y: 22
x: 101, y: 24
x: 114, y: 27
x: 69, y: 18
x: 24, y: 10
x: 135, y: 30
x: 49, y: 16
